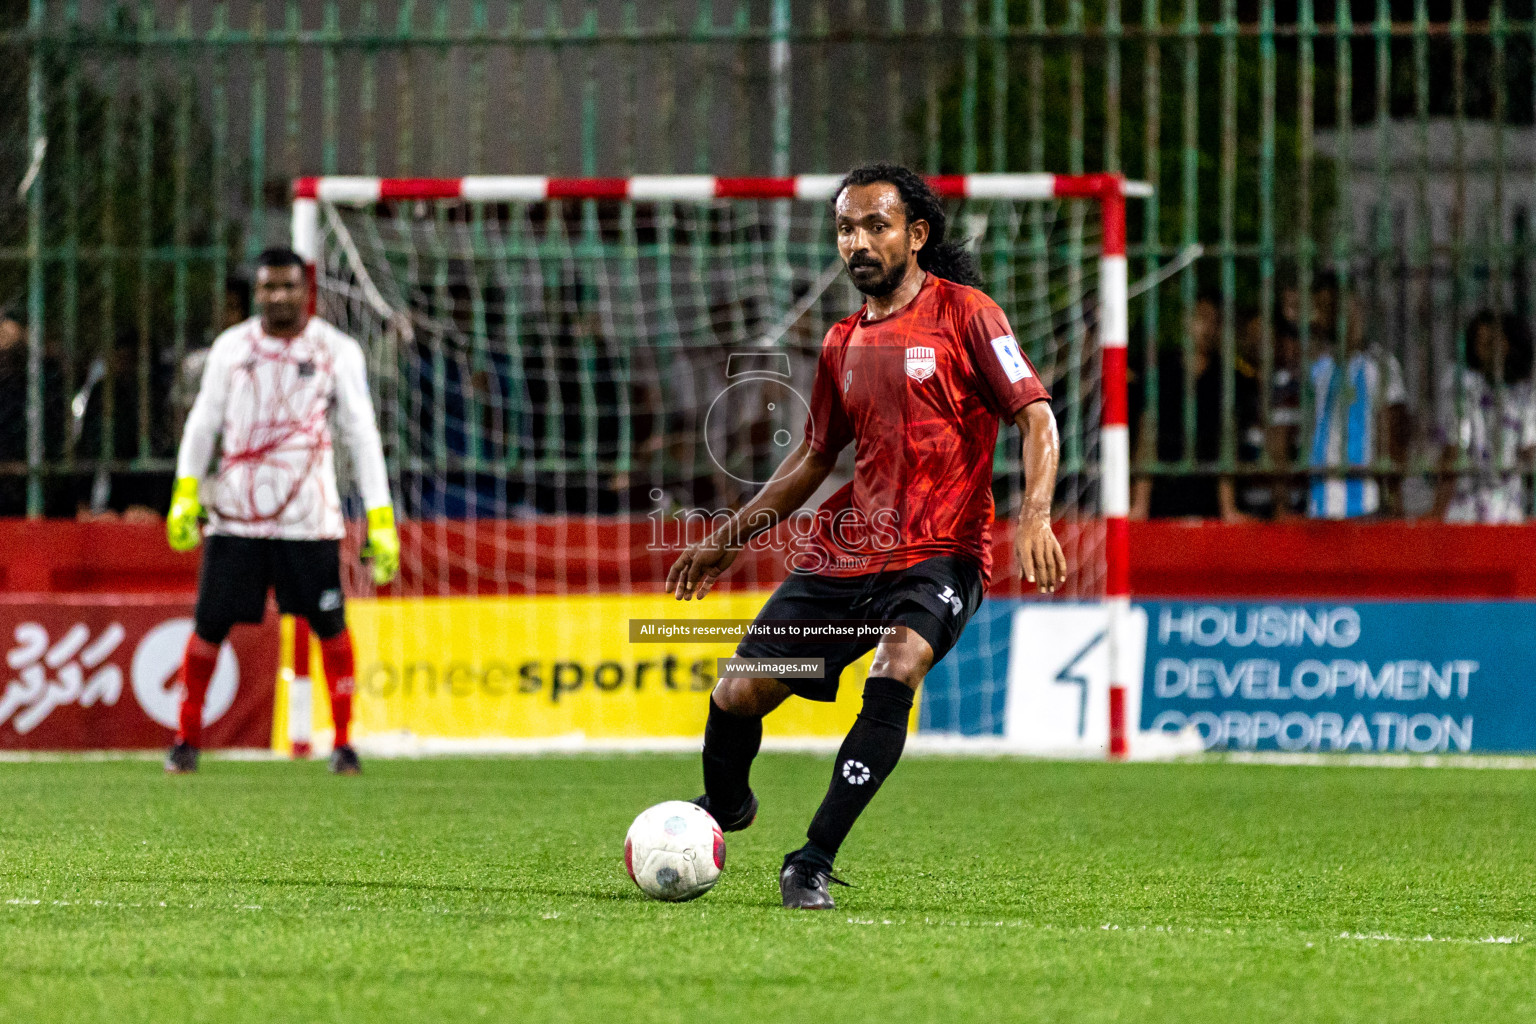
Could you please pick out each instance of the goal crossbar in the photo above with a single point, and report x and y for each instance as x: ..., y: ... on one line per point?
x: 355, y: 189
x: 1109, y: 191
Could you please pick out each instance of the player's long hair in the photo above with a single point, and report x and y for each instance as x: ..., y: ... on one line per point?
x: 949, y: 260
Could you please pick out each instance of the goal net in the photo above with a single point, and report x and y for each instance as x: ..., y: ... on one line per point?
x: 575, y: 378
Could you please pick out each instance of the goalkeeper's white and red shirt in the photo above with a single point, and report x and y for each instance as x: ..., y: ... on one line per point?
x: 269, y: 405
x: 919, y: 393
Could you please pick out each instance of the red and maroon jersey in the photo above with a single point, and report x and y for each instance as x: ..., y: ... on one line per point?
x: 919, y: 393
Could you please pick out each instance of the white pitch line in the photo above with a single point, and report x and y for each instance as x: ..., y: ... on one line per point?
x: 1489, y: 940
x: 1495, y: 940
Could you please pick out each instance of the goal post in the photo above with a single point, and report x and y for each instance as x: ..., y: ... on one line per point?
x: 436, y: 269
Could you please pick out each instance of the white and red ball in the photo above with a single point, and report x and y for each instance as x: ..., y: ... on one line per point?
x: 674, y: 851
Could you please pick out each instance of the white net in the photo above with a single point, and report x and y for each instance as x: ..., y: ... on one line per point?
x: 566, y: 389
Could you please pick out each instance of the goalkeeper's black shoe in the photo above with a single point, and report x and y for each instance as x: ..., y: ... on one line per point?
x: 344, y: 762
x: 745, y: 815
x: 804, y: 885
x: 182, y: 759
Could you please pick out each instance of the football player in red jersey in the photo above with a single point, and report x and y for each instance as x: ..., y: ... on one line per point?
x: 917, y: 380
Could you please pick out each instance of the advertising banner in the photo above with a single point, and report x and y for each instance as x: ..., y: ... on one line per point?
x: 100, y: 674
x: 546, y: 667
x: 1431, y: 677
x: 1399, y: 677
x: 1058, y: 688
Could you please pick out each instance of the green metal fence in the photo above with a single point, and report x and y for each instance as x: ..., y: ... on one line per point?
x: 1372, y: 162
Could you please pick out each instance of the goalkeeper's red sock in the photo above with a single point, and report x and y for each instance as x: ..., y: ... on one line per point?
x: 336, y: 656
x: 196, y: 669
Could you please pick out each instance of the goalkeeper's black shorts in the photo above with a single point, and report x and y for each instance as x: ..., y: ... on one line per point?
x: 239, y: 571
x: 935, y: 598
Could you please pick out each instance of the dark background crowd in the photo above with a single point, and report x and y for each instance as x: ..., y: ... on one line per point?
x: 1316, y: 423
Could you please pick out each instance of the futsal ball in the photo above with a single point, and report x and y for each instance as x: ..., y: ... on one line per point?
x: 674, y: 851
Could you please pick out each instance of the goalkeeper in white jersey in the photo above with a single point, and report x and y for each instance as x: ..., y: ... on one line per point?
x: 271, y: 389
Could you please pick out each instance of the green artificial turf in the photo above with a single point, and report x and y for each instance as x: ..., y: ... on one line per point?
x: 461, y: 889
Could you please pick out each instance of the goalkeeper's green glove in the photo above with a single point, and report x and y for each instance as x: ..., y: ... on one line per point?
x: 181, y: 522
x: 383, y: 544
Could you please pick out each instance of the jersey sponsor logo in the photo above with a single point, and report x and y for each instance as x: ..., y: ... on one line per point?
x: 920, y: 363
x: 856, y: 772
x: 1012, y: 359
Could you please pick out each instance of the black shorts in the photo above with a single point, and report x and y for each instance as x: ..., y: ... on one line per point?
x: 936, y: 598
x: 238, y: 571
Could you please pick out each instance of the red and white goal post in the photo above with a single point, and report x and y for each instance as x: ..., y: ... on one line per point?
x: 1095, y: 289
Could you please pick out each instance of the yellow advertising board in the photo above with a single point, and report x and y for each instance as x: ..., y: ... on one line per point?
x: 546, y: 667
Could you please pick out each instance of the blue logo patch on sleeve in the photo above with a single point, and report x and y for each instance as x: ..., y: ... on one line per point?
x: 1010, y: 357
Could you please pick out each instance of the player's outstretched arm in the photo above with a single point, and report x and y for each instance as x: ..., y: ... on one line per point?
x: 182, y: 529
x: 696, y: 569
x: 1034, y: 541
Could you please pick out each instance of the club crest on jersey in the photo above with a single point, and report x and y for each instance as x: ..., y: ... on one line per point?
x: 920, y: 363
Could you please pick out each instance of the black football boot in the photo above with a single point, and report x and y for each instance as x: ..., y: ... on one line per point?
x: 744, y: 815
x: 344, y: 762
x: 804, y: 885
x: 181, y: 760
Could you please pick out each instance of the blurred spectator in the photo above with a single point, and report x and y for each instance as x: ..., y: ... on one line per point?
x: 14, y: 354
x: 1359, y: 413
x: 638, y: 479
x: 1493, y: 388
x: 237, y: 304
x: 136, y: 415
x: 13, y: 415
x: 753, y: 404
x: 1282, y: 440
x: 694, y: 378
x: 802, y: 343
x: 574, y: 382
x: 189, y: 375
x: 1322, y: 311
x: 1203, y: 495
x: 1255, y: 495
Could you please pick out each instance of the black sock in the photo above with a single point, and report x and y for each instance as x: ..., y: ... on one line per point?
x: 730, y: 744
x: 865, y: 759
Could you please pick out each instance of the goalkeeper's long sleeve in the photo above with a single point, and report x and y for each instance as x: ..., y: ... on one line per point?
x: 355, y: 421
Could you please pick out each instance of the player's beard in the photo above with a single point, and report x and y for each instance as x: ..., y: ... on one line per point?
x: 282, y: 321
x: 882, y: 286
